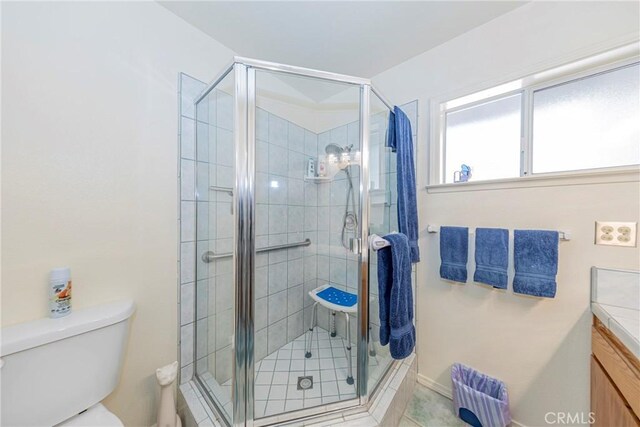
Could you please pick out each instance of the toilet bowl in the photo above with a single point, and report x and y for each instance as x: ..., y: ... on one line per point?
x: 96, y: 416
x: 64, y: 367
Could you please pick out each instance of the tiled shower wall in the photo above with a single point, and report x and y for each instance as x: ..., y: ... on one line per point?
x: 205, y: 161
x: 335, y: 263
x: 215, y: 224
x: 286, y: 212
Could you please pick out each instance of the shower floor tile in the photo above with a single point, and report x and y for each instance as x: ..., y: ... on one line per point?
x: 327, y: 366
x: 276, y: 376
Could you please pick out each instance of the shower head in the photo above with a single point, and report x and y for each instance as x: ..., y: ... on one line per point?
x: 334, y: 149
x: 337, y: 150
x: 340, y: 154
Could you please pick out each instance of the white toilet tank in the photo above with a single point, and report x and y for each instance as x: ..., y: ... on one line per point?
x: 53, y: 369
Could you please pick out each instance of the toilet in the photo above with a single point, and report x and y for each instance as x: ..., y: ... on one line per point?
x: 55, y: 372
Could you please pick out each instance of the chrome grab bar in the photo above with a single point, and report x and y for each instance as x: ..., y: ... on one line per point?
x: 229, y: 191
x: 210, y: 256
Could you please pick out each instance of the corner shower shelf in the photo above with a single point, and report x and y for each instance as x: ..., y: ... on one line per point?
x: 334, y: 166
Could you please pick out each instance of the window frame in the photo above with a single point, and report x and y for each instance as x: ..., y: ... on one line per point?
x: 443, y: 146
x: 526, y: 86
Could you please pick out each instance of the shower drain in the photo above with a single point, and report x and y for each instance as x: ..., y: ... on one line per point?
x: 305, y: 383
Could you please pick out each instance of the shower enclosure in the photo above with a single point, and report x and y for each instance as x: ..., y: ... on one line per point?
x: 292, y: 175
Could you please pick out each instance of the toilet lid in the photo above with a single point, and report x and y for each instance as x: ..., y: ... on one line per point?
x: 96, y: 416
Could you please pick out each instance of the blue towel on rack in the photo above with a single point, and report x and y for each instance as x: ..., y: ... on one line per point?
x: 535, y: 254
x: 395, y: 296
x: 492, y: 256
x: 454, y: 249
x: 400, y: 140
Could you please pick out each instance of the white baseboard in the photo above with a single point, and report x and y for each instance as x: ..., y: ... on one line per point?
x: 446, y: 392
x: 437, y: 387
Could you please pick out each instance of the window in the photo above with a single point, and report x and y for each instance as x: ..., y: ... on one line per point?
x: 582, y: 122
x: 485, y: 137
x: 588, y: 123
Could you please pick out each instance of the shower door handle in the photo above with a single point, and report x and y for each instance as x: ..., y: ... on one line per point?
x: 355, y: 245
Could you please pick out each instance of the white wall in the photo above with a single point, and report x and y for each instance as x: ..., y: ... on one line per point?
x: 89, y: 167
x: 539, y: 347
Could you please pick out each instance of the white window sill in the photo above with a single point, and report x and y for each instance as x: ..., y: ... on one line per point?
x: 628, y: 174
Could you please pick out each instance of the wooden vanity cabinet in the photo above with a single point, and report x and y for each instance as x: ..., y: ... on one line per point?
x: 615, y: 381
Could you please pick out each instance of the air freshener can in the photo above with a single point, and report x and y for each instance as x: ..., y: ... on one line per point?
x: 59, y: 292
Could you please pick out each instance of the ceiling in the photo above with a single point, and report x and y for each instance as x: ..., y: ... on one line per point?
x: 359, y: 38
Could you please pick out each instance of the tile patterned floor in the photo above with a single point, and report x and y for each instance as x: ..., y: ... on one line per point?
x: 277, y: 375
x: 429, y: 409
x: 276, y: 388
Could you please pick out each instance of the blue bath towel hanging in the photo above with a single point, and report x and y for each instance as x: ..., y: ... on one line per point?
x: 492, y: 257
x: 395, y: 296
x: 454, y: 253
x: 400, y: 140
x: 535, y: 254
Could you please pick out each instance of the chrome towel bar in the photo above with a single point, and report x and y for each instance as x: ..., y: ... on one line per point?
x: 562, y: 235
x: 210, y: 256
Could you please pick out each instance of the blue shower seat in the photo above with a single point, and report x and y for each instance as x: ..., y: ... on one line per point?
x: 336, y: 300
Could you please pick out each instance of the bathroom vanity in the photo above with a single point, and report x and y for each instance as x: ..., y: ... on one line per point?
x: 615, y: 348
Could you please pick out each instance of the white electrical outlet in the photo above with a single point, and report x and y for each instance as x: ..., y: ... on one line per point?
x: 616, y: 233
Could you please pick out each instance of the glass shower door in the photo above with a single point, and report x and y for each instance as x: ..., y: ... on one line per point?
x: 307, y: 195
x: 215, y: 290
x: 382, y: 220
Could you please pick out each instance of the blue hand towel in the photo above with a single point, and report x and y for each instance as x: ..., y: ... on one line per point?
x: 396, y: 297
x: 454, y: 248
x: 400, y: 140
x: 492, y: 256
x: 535, y: 253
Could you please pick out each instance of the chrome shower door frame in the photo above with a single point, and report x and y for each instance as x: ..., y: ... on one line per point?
x: 363, y: 273
x: 244, y: 249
